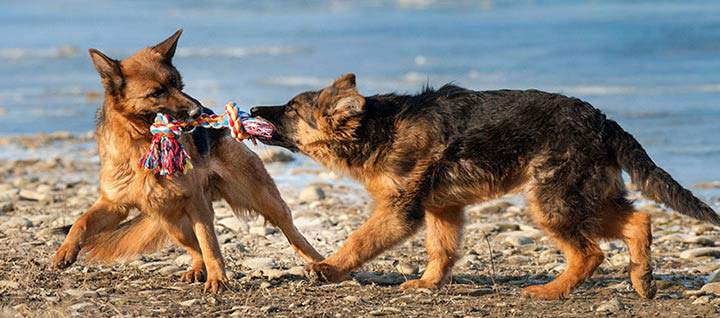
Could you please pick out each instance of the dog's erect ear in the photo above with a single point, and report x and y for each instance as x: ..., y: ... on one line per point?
x: 345, y: 82
x: 342, y: 97
x: 108, y: 69
x: 167, y: 48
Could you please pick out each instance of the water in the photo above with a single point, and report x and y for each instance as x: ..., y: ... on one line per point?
x: 654, y: 66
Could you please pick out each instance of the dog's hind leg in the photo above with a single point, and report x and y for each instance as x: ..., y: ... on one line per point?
x: 621, y: 221
x: 569, y: 221
x: 182, y: 233
x: 101, y: 216
x: 443, y: 240
x: 582, y: 257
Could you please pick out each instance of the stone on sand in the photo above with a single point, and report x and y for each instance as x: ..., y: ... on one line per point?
x: 700, y: 252
x: 311, y: 194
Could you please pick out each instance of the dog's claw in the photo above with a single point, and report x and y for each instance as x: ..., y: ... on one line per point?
x: 215, y: 286
x: 193, y: 275
x: 66, y: 255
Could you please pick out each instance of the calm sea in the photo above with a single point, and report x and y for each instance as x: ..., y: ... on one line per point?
x: 654, y: 66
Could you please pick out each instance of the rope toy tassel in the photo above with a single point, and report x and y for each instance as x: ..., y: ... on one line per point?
x: 167, y: 156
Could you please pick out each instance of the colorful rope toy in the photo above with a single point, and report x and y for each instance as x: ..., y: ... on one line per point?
x: 167, y: 156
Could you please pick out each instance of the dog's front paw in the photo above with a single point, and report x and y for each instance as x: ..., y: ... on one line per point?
x: 325, y: 272
x: 215, y: 286
x: 193, y: 275
x: 66, y: 255
x: 544, y: 292
x: 420, y: 283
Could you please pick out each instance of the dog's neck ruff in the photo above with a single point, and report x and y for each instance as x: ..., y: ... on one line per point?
x: 166, y: 155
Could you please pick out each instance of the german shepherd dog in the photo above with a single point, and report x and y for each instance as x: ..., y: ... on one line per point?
x: 425, y: 157
x: 179, y: 208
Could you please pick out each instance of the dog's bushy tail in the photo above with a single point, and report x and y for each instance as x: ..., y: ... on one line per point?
x: 652, y: 181
x: 142, y: 234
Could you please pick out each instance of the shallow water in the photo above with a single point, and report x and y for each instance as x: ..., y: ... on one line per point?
x: 652, y: 65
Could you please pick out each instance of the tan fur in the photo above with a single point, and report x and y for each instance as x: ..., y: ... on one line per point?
x: 177, y: 207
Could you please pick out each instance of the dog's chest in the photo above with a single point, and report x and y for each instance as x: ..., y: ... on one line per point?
x: 149, y: 193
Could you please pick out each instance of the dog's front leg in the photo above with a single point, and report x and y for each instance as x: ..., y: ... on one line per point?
x: 388, y: 225
x: 201, y: 219
x: 103, y: 215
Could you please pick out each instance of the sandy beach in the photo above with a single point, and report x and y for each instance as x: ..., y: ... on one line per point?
x: 37, y: 196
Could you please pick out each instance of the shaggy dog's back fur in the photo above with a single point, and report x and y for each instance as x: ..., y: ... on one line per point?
x: 424, y: 157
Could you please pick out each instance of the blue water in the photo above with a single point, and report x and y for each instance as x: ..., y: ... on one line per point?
x: 652, y: 65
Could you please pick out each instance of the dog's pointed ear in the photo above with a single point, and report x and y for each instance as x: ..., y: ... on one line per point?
x: 167, y: 47
x: 343, y: 97
x: 345, y: 82
x: 109, y: 69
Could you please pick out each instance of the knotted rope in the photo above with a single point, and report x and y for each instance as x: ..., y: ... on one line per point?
x: 167, y: 155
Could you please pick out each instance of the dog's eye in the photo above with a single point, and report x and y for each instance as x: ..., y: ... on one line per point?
x: 157, y: 93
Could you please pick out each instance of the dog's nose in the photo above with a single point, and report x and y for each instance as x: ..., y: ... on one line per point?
x: 254, y: 110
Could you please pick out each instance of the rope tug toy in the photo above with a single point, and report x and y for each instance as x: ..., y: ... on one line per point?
x: 167, y: 156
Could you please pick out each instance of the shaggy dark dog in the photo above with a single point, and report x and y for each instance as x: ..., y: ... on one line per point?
x: 424, y: 157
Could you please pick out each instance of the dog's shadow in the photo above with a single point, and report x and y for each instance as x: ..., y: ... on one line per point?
x: 475, y: 284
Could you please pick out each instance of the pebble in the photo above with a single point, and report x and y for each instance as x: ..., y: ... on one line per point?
x: 9, y: 284
x: 297, y: 271
x: 702, y: 229
x: 702, y: 300
x: 695, y: 293
x: 620, y: 259
x: 714, y: 277
x: 9, y: 195
x: 151, y: 266
x: 265, y: 285
x: 17, y: 222
x: 259, y: 263
x: 352, y: 299
x: 611, y: 306
x: 80, y: 306
x: 34, y: 196
x: 272, y: 155
x: 79, y: 293
x: 7, y: 206
x: 700, y: 251
x: 504, y: 227
x: 271, y: 274
x: 189, y: 302
x: 262, y: 230
x: 385, y: 311
x: 183, y: 260
x: 711, y: 288
x: 516, y: 238
x: 690, y: 239
x: 518, y: 260
x: 233, y: 223
x: 487, y: 228
x: 169, y: 270
x: 311, y: 194
x: 407, y: 269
